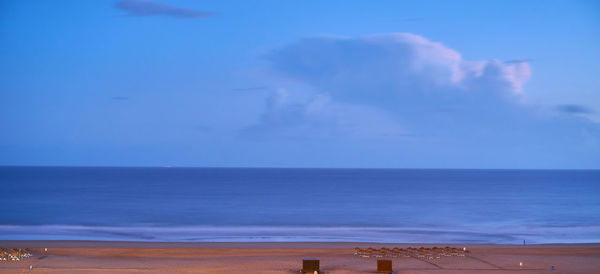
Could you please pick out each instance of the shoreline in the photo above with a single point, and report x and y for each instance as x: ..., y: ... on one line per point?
x: 290, y: 233
x: 269, y: 244
x: 286, y: 257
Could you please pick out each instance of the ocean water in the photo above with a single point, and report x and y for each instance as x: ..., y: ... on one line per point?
x: 236, y: 204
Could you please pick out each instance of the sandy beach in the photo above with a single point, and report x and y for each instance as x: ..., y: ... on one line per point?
x: 116, y: 257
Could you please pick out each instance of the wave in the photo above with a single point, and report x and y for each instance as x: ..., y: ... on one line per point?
x: 500, y: 235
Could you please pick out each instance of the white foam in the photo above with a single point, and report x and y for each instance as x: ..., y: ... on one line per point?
x: 504, y: 235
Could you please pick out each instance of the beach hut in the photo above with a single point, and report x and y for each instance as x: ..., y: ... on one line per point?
x: 384, y: 266
x: 310, y: 265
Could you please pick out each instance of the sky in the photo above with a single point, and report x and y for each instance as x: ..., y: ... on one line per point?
x: 323, y: 84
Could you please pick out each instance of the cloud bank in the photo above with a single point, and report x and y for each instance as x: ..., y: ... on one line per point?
x: 149, y: 8
x: 415, y: 95
x: 320, y: 116
x: 404, y: 80
x: 404, y: 62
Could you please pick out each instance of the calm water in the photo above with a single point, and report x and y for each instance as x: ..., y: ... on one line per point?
x: 222, y: 204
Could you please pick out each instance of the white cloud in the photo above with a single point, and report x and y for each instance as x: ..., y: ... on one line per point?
x: 403, y: 87
x: 319, y: 116
x: 402, y: 62
x: 378, y: 85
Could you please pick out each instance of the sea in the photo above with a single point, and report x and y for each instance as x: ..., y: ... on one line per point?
x: 299, y: 205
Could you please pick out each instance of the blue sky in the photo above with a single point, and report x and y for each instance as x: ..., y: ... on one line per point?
x: 374, y: 84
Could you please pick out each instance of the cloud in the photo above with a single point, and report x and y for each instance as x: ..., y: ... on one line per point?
x: 406, y: 82
x: 149, y: 8
x: 418, y: 97
x: 321, y: 117
x: 404, y: 62
x: 574, y: 109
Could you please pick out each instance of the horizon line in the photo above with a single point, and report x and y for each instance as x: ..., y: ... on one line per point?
x: 267, y: 167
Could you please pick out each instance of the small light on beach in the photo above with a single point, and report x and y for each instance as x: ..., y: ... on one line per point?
x: 520, y: 264
x: 464, y: 249
x: 45, y: 249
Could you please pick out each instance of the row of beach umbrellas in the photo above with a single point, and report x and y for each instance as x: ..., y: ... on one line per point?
x: 421, y: 252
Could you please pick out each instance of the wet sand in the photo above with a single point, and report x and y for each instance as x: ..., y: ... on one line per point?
x: 121, y: 257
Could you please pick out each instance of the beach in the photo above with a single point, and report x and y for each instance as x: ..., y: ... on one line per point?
x: 238, y: 220
x: 284, y: 257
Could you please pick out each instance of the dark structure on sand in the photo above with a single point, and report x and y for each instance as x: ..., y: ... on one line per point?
x: 310, y: 265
